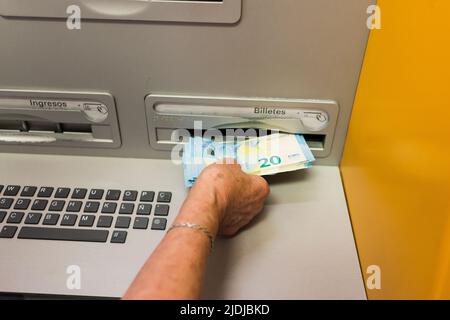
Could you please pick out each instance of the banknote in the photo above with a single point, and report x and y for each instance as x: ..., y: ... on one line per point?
x: 267, y: 155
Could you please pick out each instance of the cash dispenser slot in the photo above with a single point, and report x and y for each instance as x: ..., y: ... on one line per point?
x: 12, y: 125
x: 41, y: 126
x: 170, y: 118
x: 60, y: 119
x: 316, y: 142
x: 44, y: 127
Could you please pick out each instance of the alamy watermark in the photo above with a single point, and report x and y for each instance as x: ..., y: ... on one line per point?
x: 73, y: 281
x: 373, y: 281
x: 206, y: 142
x: 73, y: 21
x: 374, y: 20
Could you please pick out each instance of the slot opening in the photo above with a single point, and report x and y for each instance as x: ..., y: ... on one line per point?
x: 316, y: 142
x: 44, y: 127
x: 76, y: 128
x: 12, y: 125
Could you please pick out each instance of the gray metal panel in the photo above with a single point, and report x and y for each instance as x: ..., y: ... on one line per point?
x: 301, y: 247
x: 226, y: 11
x: 105, y: 131
x: 157, y: 120
x: 311, y: 49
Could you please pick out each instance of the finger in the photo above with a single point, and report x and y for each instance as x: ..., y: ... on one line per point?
x: 262, y: 185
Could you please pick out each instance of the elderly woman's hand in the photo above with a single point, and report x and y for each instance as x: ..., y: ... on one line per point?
x: 238, y: 197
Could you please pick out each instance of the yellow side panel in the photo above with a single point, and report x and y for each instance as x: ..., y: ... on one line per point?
x: 396, y: 166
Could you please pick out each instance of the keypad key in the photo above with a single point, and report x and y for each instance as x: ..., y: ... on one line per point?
x: 123, y: 222
x: 86, y: 220
x: 104, y: 222
x: 119, y: 237
x: 109, y: 207
x: 113, y: 195
x: 51, y: 219
x: 126, y: 208
x: 74, y: 206
x: 11, y: 190
x: 2, y: 216
x: 144, y: 209
x: 62, y: 193
x: 147, y: 196
x: 140, y: 223
x: 91, y: 206
x: 57, y: 205
x: 22, y: 204
x: 162, y: 210
x: 96, y: 194
x: 67, y: 234
x: 164, y: 196
x: 15, y: 217
x: 33, y: 218
x: 39, y: 204
x: 159, y: 224
x: 69, y: 220
x: 6, y: 203
x: 130, y: 195
x: 8, y: 232
x: 79, y: 193
x: 28, y: 191
x: 45, y: 192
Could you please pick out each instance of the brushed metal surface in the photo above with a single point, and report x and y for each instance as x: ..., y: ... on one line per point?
x: 301, y: 247
x: 287, y: 49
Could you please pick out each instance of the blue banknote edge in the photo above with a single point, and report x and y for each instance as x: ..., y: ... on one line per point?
x: 305, y: 148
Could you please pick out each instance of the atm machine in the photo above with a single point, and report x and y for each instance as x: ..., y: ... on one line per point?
x: 87, y: 115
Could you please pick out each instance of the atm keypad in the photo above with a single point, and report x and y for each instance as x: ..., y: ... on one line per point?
x: 80, y: 214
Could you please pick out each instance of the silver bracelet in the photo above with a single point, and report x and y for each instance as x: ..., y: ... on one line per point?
x: 194, y: 226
